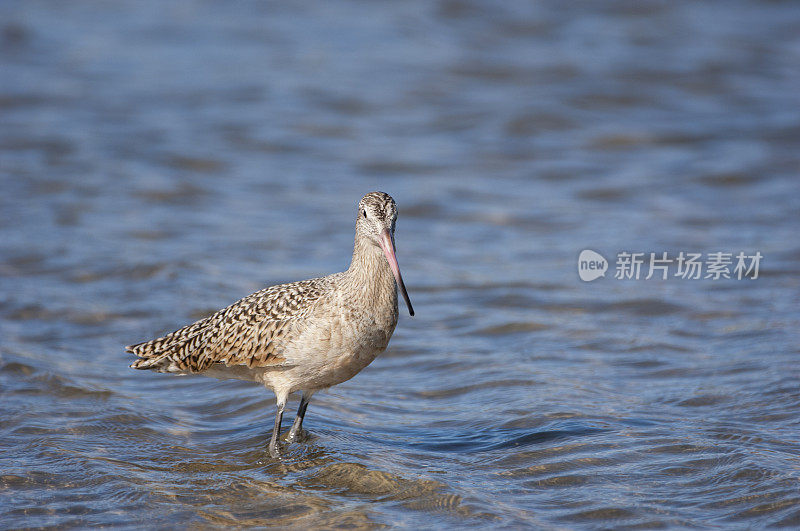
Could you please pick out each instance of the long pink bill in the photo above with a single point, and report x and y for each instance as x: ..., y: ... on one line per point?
x: 387, y: 244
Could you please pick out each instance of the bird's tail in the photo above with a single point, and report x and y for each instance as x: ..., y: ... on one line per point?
x: 167, y: 353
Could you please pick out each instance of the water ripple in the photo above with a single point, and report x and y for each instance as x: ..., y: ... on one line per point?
x: 158, y: 163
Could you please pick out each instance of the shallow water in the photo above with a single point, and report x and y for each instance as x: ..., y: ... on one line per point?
x: 159, y: 162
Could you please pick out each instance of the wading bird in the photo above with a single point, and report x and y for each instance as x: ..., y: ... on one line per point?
x: 304, y: 336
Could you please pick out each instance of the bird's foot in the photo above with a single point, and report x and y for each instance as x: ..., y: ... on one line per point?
x: 273, y: 450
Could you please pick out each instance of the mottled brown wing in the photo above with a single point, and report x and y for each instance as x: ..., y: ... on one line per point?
x: 252, y: 331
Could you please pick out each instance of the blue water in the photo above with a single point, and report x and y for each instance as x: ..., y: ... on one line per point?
x: 160, y: 160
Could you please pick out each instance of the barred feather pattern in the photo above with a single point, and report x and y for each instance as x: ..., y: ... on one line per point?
x: 250, y: 332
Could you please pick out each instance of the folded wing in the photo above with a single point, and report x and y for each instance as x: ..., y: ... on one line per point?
x: 253, y: 332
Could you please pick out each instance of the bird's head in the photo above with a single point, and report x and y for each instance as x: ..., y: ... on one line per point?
x: 377, y: 214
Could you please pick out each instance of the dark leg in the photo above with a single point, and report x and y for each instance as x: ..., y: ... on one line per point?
x: 297, y: 425
x: 273, y: 442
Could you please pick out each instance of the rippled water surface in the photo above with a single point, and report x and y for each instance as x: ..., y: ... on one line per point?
x: 161, y: 160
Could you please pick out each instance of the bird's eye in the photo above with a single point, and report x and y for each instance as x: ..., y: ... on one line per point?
x: 364, y: 213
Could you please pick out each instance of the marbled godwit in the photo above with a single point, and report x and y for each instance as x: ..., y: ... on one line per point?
x: 304, y: 336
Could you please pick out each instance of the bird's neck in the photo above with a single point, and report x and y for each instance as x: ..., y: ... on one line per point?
x: 369, y: 274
